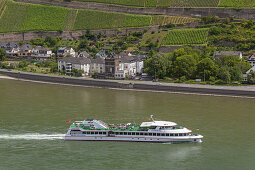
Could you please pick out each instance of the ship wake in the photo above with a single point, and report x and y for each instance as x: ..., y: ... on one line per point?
x: 32, y: 136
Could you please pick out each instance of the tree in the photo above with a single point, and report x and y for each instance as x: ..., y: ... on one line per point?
x: 185, y: 66
x: 224, y: 74
x: 236, y: 74
x: 22, y: 64
x: 206, y: 69
x: 158, y: 64
x: 2, y: 54
x: 83, y: 45
x: 251, y: 77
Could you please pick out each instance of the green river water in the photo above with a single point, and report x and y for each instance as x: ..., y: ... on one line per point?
x: 33, y: 115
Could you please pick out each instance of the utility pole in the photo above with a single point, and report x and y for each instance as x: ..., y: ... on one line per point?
x: 155, y: 75
x: 204, y: 75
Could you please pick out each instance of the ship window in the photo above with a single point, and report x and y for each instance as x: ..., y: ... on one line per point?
x: 121, y: 133
x: 163, y: 134
x: 96, y: 133
x: 84, y: 132
x: 104, y: 133
x: 125, y: 133
x: 129, y: 133
x: 171, y: 134
x: 176, y: 134
x: 180, y: 134
x: 158, y: 134
x: 154, y: 134
x: 167, y: 134
x: 150, y: 134
x: 136, y: 133
x: 92, y: 133
x: 100, y: 133
x: 117, y: 133
x: 133, y: 133
x: 142, y: 133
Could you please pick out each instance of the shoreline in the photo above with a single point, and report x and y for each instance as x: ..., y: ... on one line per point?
x: 195, y: 89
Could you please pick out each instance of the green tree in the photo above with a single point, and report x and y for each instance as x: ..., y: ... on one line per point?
x: 158, y: 64
x: 224, y: 74
x: 2, y: 54
x: 251, y: 77
x: 22, y: 64
x: 236, y: 74
x: 185, y: 66
x: 206, y: 69
x: 83, y: 45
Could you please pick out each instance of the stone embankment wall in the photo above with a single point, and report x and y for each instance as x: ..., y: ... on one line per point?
x: 66, y: 35
x: 192, y: 89
x: 189, y: 12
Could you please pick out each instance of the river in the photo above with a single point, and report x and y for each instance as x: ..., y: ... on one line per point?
x: 33, y: 115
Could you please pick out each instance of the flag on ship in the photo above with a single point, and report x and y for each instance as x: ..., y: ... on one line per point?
x: 67, y: 121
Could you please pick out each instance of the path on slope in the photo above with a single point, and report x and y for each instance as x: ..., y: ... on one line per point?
x: 191, y: 12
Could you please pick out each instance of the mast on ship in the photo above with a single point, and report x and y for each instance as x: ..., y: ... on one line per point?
x: 151, y: 118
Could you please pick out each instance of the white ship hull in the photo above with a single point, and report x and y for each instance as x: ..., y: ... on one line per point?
x: 180, y: 139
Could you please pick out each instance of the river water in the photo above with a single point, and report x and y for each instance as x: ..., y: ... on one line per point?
x: 33, y: 115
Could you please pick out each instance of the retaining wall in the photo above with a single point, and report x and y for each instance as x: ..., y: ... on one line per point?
x: 128, y: 85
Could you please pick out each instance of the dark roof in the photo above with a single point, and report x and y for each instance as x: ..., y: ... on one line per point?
x: 82, y: 60
x: 112, y: 55
x: 41, y: 48
x: 129, y: 59
x: 84, y: 53
x: 26, y: 47
x: 8, y: 45
x: 98, y: 60
x: 223, y: 53
x: 74, y: 60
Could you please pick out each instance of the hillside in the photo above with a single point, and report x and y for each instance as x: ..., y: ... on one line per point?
x: 179, y: 3
x: 15, y: 16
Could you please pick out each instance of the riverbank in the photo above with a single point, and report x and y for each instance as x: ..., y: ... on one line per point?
x: 238, y: 91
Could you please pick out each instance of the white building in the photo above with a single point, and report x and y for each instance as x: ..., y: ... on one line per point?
x: 41, y: 53
x: 245, y: 76
x: 251, y: 60
x: 88, y: 66
x: 65, y: 51
x: 130, y: 66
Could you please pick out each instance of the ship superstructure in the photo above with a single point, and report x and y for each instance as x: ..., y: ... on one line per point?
x: 154, y: 131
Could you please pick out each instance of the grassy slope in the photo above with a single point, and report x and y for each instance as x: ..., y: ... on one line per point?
x: 154, y: 37
x: 186, y: 37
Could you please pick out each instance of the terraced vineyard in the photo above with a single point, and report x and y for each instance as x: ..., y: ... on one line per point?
x: 160, y: 3
x: 238, y: 3
x: 28, y: 17
x: 186, y: 37
x: 3, y: 6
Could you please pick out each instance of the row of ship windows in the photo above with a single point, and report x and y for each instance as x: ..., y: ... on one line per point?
x: 136, y: 133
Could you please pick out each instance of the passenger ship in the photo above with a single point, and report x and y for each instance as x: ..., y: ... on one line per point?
x: 154, y: 131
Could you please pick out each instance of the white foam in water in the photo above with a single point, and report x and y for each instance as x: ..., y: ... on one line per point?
x: 33, y: 136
